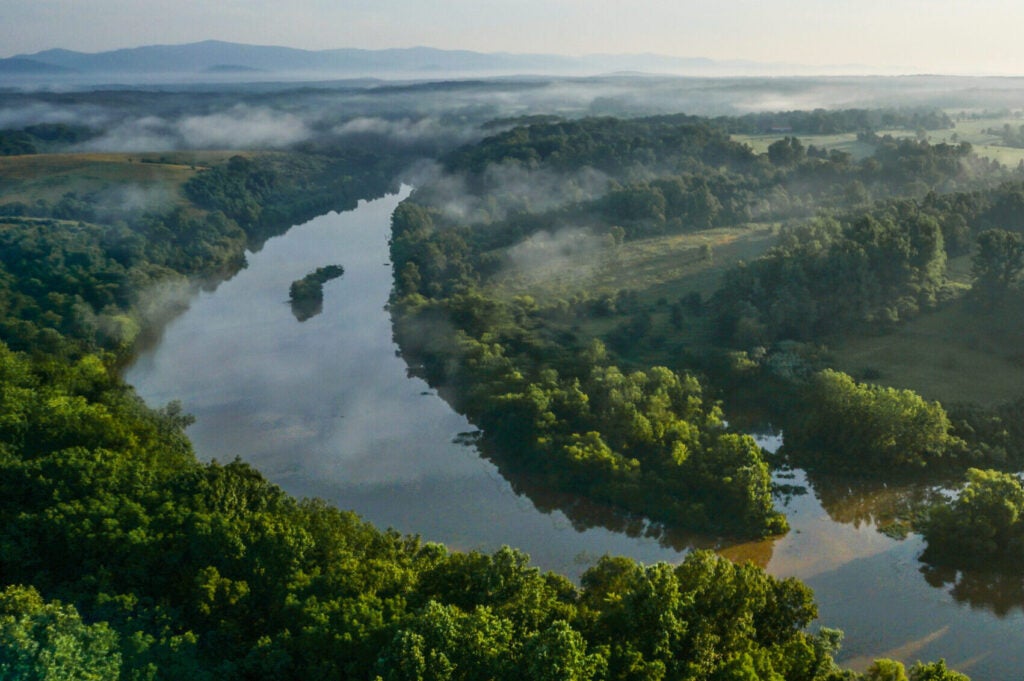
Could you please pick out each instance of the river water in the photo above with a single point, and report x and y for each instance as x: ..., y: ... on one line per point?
x: 325, y: 407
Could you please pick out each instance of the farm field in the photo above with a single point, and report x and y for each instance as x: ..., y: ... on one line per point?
x: 671, y: 265
x: 48, y: 177
x: 973, y: 130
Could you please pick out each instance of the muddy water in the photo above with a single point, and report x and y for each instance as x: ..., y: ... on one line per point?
x: 324, y: 407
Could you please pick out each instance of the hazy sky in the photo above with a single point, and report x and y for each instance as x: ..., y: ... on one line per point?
x: 976, y: 36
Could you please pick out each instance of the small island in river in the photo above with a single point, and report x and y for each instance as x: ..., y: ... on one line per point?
x: 307, y: 294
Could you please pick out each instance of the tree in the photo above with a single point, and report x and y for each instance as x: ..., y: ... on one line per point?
x: 863, y: 427
x: 42, y: 641
x: 998, y: 263
x: 885, y: 670
x: 935, y: 671
x: 982, y: 525
x: 786, y: 151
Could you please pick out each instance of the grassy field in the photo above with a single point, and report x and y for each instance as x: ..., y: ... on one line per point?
x: 971, y: 130
x: 50, y: 176
x: 659, y: 266
x: 659, y: 270
x: 844, y: 142
x: 957, y: 354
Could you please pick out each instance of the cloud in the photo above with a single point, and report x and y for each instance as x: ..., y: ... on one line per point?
x: 240, y: 127
x: 132, y: 198
x: 148, y: 133
x: 574, y: 252
x: 243, y: 127
x: 509, y: 187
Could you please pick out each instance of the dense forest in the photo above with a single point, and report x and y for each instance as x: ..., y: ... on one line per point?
x: 124, y: 557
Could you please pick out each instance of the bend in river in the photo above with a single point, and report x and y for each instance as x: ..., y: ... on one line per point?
x: 327, y: 408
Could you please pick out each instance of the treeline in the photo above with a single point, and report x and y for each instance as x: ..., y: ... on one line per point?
x: 75, y: 284
x: 674, y: 174
x: 1009, y: 135
x: 833, y: 122
x: 263, y: 193
x: 983, y: 527
x: 43, y: 137
x: 611, y: 145
x: 872, y: 267
x: 830, y: 275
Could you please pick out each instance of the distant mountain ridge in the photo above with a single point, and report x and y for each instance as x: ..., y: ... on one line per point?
x: 211, y: 56
x: 28, y: 66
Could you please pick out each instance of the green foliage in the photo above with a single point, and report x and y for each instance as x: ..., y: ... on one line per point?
x: 608, y: 144
x: 828, y: 276
x: 994, y: 435
x: 41, y: 137
x: 935, y: 671
x: 655, y: 623
x: 864, y: 428
x: 311, y: 286
x: 208, y: 571
x: 269, y: 192
x: 983, y: 526
x: 16, y: 142
x: 42, y: 641
x: 71, y: 284
x: 885, y: 670
x: 997, y: 264
x: 646, y: 441
x: 786, y: 152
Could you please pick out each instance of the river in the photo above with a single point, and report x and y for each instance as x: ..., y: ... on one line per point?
x: 325, y: 407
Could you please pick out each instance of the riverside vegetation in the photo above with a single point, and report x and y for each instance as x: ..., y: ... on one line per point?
x: 546, y: 383
x: 122, y: 556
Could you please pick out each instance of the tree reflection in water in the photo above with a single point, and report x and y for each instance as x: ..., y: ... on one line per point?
x: 1000, y: 593
x: 891, y: 506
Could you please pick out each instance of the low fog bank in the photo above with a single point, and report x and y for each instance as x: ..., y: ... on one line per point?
x: 437, y: 116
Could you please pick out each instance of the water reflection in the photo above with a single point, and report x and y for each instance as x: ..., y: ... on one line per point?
x: 325, y: 408
x: 306, y: 309
x: 890, y: 506
x: 585, y: 514
x: 1000, y: 593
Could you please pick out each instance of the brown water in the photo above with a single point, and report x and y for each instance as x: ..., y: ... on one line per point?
x: 325, y: 407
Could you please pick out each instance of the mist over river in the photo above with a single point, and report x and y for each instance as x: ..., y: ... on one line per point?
x: 326, y: 407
